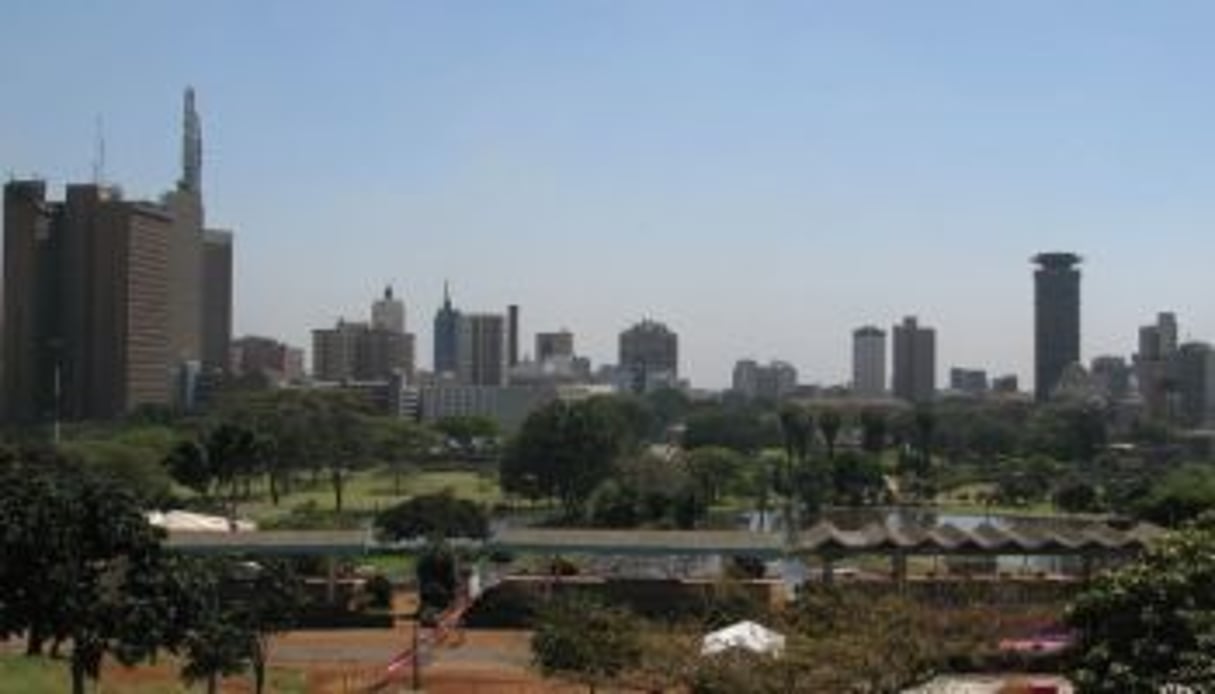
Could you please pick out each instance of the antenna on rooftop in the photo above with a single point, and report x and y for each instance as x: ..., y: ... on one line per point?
x: 99, y: 152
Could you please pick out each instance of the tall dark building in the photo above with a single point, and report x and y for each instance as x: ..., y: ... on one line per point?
x: 216, y: 299
x: 649, y: 352
x: 482, y: 349
x: 1056, y: 319
x: 86, y: 288
x: 447, y: 335
x: 512, y: 334
x: 558, y: 344
x: 914, y: 377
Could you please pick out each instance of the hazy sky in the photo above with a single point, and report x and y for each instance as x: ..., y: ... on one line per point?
x: 762, y: 176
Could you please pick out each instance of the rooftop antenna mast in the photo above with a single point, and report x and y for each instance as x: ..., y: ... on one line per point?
x: 99, y: 152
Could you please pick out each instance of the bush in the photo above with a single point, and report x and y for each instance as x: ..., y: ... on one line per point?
x: 433, y: 515
x: 379, y: 590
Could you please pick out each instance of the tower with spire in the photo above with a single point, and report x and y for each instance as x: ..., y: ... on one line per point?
x: 447, y: 327
x: 388, y: 313
x: 191, y: 146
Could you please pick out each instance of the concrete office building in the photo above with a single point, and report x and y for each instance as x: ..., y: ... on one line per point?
x: 86, y: 292
x: 388, y: 313
x: 968, y: 381
x: 1056, y: 319
x: 1154, y: 364
x: 915, y: 362
x: 649, y: 355
x: 512, y: 335
x: 755, y: 381
x: 355, y: 351
x: 1195, y: 378
x: 869, y: 362
x: 1007, y: 384
x: 278, y: 362
x: 558, y: 344
x: 481, y: 349
x: 216, y: 299
x: 446, y: 337
x: 1112, y: 377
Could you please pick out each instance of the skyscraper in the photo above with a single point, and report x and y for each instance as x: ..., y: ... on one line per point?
x: 915, y: 362
x: 512, y: 334
x: 481, y: 349
x: 558, y: 344
x: 649, y: 353
x: 388, y: 313
x: 87, y: 315
x: 869, y: 362
x: 772, y: 382
x: 356, y: 351
x: 446, y: 336
x: 1154, y: 363
x: 216, y: 299
x: 1195, y: 376
x: 186, y: 245
x: 1056, y: 319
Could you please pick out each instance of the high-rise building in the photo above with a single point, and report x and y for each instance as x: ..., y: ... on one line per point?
x: 279, y: 362
x: 915, y: 362
x: 968, y: 381
x: 558, y: 344
x: 649, y: 353
x: 773, y: 382
x: 86, y: 287
x: 1111, y: 376
x: 1056, y: 319
x: 109, y: 301
x: 355, y: 351
x: 216, y: 299
x: 446, y: 337
x: 1155, y: 363
x: 512, y: 334
x: 482, y: 349
x: 1195, y: 380
x: 869, y: 362
x: 1005, y: 385
x: 388, y: 313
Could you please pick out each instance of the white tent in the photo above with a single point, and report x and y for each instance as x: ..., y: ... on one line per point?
x: 197, y: 522
x: 749, y: 635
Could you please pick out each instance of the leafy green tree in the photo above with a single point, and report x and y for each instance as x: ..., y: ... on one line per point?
x: 586, y: 640
x: 402, y: 443
x: 829, y: 423
x: 188, y: 466
x: 438, y: 579
x: 1078, y: 496
x: 857, y: 479
x: 1068, y: 431
x: 873, y: 430
x: 1181, y: 495
x: 1150, y: 625
x: 745, y: 429
x: 439, y: 515
x: 80, y: 563
x: 667, y: 407
x: 564, y: 450
x: 714, y: 470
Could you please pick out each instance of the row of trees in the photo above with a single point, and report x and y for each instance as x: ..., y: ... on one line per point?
x: 79, y: 564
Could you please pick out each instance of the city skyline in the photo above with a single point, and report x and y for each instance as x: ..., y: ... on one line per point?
x: 892, y: 178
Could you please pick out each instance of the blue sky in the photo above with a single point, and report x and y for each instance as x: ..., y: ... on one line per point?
x: 762, y: 176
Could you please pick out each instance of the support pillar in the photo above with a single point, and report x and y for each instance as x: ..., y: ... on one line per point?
x: 330, y: 580
x: 898, y: 562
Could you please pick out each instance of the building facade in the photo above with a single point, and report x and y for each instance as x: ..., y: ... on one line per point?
x: 446, y: 337
x: 481, y: 349
x: 1056, y: 319
x: 216, y: 299
x: 869, y: 362
x: 775, y: 381
x: 1195, y: 379
x: 1154, y: 365
x: 556, y: 344
x: 355, y: 351
x: 915, y: 362
x: 279, y: 362
x: 649, y: 354
x: 968, y: 381
x: 1112, y: 377
x: 388, y: 313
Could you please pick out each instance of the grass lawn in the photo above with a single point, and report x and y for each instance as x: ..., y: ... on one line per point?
x: 369, y: 491
x: 22, y: 675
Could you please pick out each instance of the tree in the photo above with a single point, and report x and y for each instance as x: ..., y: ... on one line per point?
x: 466, y: 431
x: 237, y: 606
x: 586, y: 640
x: 1150, y: 625
x: 1182, y: 495
x: 1078, y: 496
x: 403, y: 443
x: 188, y: 466
x: 564, y: 450
x: 857, y: 479
x: 797, y: 430
x: 714, y: 469
x: 873, y: 430
x: 439, y: 515
x: 829, y: 423
x: 79, y: 562
x: 437, y: 579
x: 745, y: 429
x: 1068, y: 431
